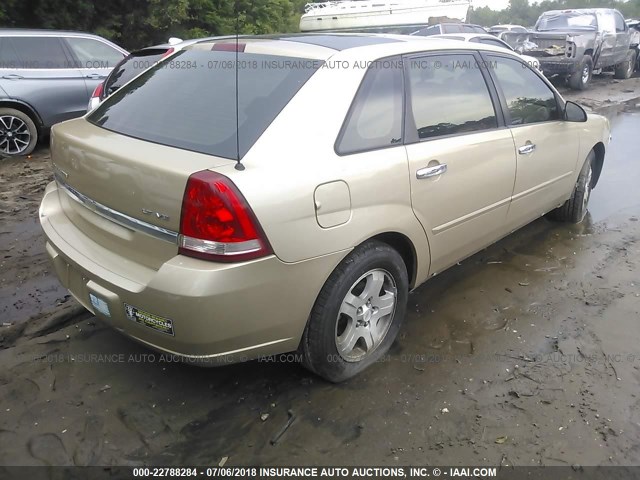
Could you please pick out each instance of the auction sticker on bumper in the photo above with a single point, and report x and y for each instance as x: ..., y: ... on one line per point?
x: 155, y: 322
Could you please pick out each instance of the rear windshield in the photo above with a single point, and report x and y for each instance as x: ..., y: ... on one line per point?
x: 189, y: 101
x: 567, y: 20
x: 130, y: 67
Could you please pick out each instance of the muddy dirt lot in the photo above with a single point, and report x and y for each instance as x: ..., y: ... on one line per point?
x: 525, y: 354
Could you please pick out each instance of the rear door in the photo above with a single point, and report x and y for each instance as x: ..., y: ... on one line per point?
x: 43, y: 75
x: 607, y: 25
x: 546, y: 146
x: 623, y: 37
x: 461, y: 157
x: 95, y: 59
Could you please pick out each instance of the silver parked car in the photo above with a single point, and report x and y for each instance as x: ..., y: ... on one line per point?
x: 47, y: 76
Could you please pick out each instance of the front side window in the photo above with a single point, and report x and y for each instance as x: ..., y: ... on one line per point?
x: 93, y: 53
x: 375, y: 118
x: 529, y: 99
x: 449, y: 96
x: 41, y: 52
x: 621, y: 25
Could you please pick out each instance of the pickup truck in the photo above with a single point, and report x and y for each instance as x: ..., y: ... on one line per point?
x: 577, y: 43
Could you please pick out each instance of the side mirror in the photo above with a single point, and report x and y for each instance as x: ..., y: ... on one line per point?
x: 174, y: 41
x: 574, y: 113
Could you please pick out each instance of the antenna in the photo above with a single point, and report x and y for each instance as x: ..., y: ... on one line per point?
x: 239, y: 165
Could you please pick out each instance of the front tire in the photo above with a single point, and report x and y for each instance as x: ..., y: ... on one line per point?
x: 358, y: 313
x: 18, y: 133
x: 582, y: 76
x: 575, y: 209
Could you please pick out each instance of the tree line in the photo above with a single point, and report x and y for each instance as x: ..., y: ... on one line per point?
x: 521, y: 12
x: 139, y: 23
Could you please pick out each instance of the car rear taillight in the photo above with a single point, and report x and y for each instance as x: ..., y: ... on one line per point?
x: 228, y: 47
x: 167, y: 53
x: 97, y: 92
x: 217, y: 223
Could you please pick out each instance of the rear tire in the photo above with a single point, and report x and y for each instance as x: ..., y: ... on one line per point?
x: 358, y: 313
x: 18, y: 133
x: 624, y: 70
x: 575, y: 209
x: 582, y: 76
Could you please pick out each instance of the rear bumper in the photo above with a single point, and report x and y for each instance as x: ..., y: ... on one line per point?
x: 558, y: 67
x: 219, y: 313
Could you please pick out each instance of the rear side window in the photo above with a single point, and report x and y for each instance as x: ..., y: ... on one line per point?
x: 41, y: 52
x: 426, y: 32
x: 8, y: 56
x: 94, y: 53
x: 375, y: 118
x: 473, y: 29
x: 493, y: 42
x: 189, y: 100
x: 452, y: 29
x: 131, y: 67
x: 529, y: 99
x: 621, y: 25
x: 449, y: 96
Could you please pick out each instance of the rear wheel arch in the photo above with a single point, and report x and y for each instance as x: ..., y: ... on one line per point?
x: 404, y: 246
x: 26, y: 109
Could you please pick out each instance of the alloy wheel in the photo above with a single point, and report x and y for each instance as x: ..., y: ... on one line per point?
x: 365, y: 315
x: 14, y: 135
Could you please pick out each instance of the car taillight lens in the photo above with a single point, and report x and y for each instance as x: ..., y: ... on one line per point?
x: 167, y: 53
x: 217, y: 223
x: 97, y: 92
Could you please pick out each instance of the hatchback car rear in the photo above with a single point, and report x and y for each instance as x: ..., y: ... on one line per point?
x: 276, y: 194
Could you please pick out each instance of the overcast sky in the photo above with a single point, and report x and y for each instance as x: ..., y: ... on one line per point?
x: 494, y: 4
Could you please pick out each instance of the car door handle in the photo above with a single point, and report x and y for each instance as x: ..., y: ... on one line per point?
x: 430, y: 172
x: 527, y: 149
x: 95, y: 76
x: 12, y: 76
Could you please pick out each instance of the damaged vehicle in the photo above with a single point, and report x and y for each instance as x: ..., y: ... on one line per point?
x: 634, y: 25
x: 576, y: 44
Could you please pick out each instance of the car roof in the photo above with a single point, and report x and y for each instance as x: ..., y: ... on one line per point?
x: 43, y: 32
x: 579, y: 10
x: 465, y: 36
x: 323, y: 46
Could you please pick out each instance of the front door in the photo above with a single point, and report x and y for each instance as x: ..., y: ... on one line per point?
x: 546, y: 145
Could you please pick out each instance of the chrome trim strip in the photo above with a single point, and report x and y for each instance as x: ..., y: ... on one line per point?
x: 541, y: 186
x: 471, y: 216
x: 115, y: 216
x: 218, y: 248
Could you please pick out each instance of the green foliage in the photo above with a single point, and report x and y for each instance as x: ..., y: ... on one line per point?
x: 523, y: 12
x: 139, y: 23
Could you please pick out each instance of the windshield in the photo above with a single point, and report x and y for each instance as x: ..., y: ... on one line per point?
x: 567, y: 21
x: 189, y: 100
